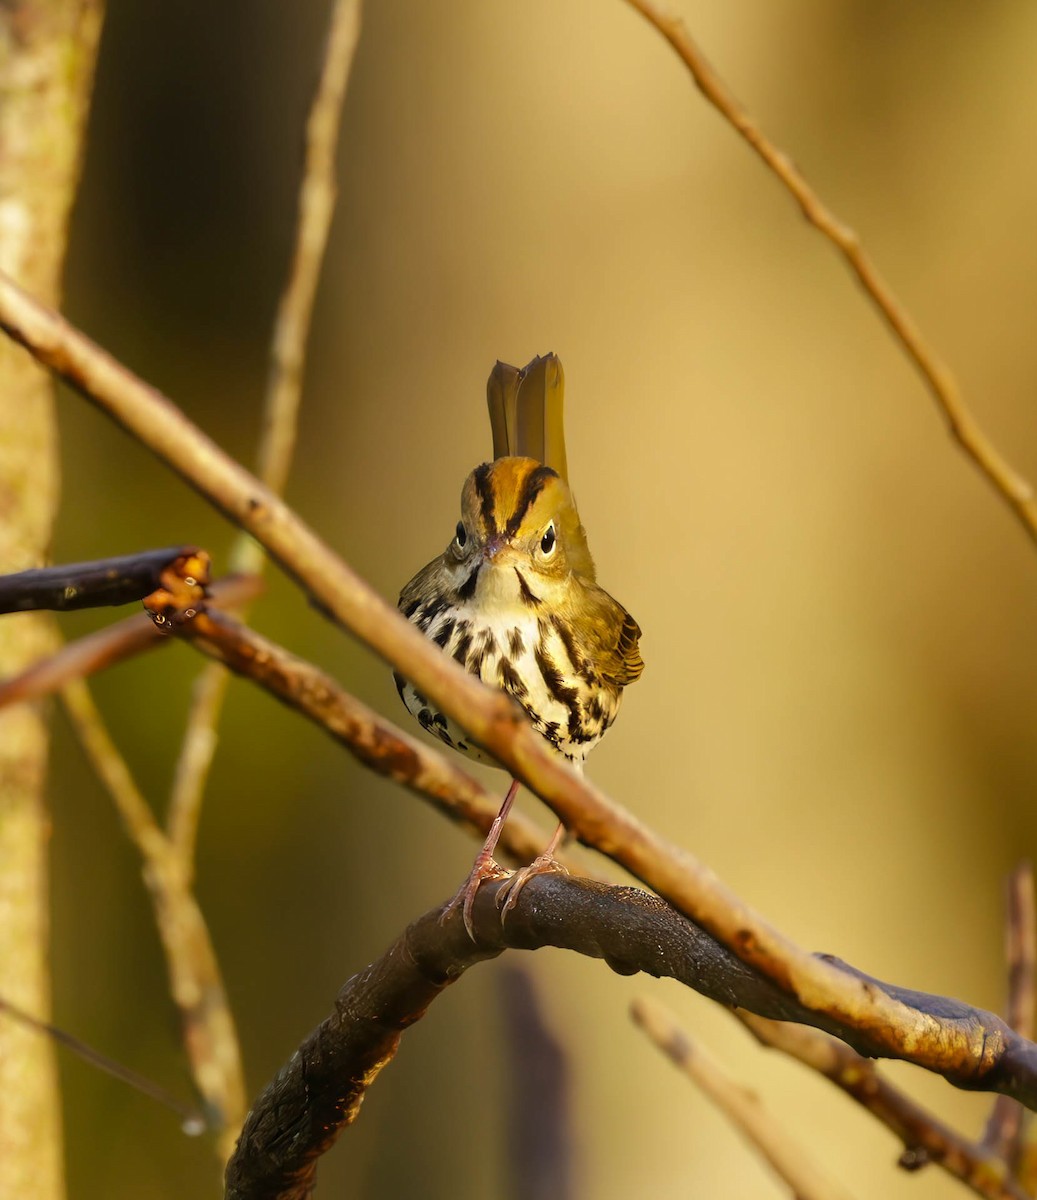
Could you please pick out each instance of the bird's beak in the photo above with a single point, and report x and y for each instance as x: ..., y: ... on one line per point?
x: 494, y: 546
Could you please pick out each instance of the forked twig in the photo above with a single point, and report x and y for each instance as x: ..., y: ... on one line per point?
x: 1016, y: 491
x: 741, y: 1106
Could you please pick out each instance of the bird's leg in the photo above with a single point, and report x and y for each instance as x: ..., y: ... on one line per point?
x: 484, y: 866
x: 509, y: 893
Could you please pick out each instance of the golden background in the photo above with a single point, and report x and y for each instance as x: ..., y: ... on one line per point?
x: 839, y: 703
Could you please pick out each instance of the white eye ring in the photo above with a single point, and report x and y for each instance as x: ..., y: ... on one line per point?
x: 460, y: 535
x: 549, y: 542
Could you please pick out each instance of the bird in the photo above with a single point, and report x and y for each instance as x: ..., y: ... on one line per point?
x: 514, y: 600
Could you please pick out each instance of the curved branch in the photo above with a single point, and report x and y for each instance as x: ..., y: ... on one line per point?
x: 318, y: 1092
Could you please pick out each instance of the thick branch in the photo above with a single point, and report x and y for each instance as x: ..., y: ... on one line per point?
x: 1016, y: 491
x: 320, y: 1090
x: 496, y: 723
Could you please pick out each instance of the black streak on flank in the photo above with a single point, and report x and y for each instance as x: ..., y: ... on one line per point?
x: 515, y: 645
x: 486, y: 500
x: 579, y: 663
x: 444, y: 634
x: 568, y: 696
x: 467, y: 589
x: 525, y: 591
x: 532, y: 488
x: 510, y: 680
x: 411, y: 609
x: 429, y: 613
x: 464, y: 644
x: 398, y: 679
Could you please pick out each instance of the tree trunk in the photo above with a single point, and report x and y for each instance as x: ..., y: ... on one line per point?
x: 47, y: 54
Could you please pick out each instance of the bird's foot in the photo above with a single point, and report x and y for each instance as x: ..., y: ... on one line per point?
x: 484, y: 867
x: 546, y: 864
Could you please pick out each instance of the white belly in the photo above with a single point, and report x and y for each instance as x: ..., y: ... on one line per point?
x: 525, y: 656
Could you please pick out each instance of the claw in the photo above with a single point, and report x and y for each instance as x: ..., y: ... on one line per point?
x: 484, y: 868
x: 507, y: 896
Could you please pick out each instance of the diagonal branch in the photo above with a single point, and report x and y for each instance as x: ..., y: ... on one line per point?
x: 496, y: 723
x: 1016, y: 491
x: 925, y: 1138
x: 741, y: 1106
x: 376, y: 742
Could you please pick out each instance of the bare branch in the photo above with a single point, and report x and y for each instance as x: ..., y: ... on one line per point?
x: 192, y: 1122
x: 742, y: 1107
x: 1016, y: 491
x: 320, y: 1089
x: 925, y: 1137
x: 493, y: 721
x: 197, y: 989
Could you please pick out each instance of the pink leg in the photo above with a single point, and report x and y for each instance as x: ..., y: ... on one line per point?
x: 546, y: 862
x: 484, y: 866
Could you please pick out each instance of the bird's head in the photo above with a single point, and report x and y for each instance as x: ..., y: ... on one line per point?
x: 518, y: 523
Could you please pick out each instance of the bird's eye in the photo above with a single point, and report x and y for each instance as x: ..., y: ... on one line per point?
x: 461, y: 534
x: 547, y: 542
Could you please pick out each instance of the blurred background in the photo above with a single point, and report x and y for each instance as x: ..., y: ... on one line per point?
x: 840, y: 698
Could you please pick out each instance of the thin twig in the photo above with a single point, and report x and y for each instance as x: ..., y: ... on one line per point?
x: 316, y: 204
x: 742, y: 1107
x: 195, y: 984
x: 1016, y: 491
x: 192, y: 1122
x: 925, y: 1137
x: 493, y: 721
x: 1008, y: 1134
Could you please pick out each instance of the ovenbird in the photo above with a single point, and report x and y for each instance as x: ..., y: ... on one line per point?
x: 513, y: 598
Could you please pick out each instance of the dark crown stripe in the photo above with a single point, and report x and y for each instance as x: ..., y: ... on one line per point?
x: 532, y: 488
x: 487, y: 501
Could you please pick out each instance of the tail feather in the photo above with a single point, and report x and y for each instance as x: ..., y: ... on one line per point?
x: 526, y: 412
